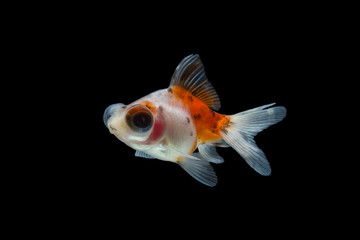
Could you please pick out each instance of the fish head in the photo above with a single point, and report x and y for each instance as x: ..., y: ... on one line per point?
x: 136, y: 124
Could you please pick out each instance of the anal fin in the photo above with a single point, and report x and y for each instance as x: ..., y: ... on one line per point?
x: 209, y: 153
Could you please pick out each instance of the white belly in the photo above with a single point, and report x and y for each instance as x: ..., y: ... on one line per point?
x: 180, y: 132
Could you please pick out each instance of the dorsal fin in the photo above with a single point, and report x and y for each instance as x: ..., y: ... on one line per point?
x: 190, y: 75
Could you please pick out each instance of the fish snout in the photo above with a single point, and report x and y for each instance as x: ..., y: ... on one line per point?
x: 110, y: 110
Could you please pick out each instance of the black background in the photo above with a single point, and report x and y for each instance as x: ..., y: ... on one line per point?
x: 82, y: 175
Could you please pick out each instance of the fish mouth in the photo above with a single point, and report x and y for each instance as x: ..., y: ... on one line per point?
x: 110, y: 110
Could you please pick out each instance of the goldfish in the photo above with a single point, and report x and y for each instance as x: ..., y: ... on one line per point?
x: 172, y: 123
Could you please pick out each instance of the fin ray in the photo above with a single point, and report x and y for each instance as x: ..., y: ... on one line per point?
x: 201, y: 170
x: 209, y: 153
x: 190, y: 75
x: 197, y: 167
x: 143, y: 155
x: 244, y: 126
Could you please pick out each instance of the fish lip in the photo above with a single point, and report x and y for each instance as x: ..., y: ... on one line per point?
x: 109, y: 111
x: 105, y: 116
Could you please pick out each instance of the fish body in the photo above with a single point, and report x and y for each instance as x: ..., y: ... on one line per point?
x: 170, y: 124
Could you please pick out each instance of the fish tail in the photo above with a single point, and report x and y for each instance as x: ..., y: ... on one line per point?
x: 242, y: 127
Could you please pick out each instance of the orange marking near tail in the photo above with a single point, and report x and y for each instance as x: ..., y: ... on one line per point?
x: 208, y: 122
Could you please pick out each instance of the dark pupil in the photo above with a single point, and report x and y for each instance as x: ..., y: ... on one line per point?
x: 142, y: 120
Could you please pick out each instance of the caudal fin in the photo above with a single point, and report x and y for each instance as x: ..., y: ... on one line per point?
x: 239, y: 134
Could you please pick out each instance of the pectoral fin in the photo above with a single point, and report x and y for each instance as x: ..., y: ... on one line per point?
x: 143, y: 155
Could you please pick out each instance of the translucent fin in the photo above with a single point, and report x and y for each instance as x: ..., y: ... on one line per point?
x: 242, y: 129
x: 190, y: 75
x: 219, y: 143
x: 143, y: 155
x: 257, y: 119
x: 198, y: 168
x: 209, y: 153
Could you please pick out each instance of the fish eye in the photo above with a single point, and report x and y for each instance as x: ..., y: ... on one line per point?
x: 139, y: 118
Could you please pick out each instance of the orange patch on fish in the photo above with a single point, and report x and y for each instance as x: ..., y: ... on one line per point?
x: 208, y: 123
x: 149, y: 105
